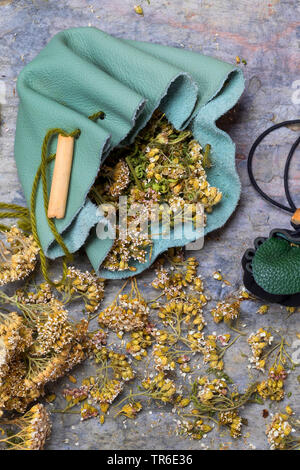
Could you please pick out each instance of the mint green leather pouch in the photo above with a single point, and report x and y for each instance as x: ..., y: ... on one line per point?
x: 84, y: 70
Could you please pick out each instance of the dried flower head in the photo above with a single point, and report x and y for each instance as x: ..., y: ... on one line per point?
x: 42, y: 295
x: 130, y: 410
x: 15, y: 337
x: 108, y: 393
x: 273, y: 387
x: 258, y: 342
x: 34, y: 428
x: 18, y: 257
x: 233, y: 421
x: 85, y: 285
x: 278, y: 431
x: 128, y: 312
x: 227, y: 311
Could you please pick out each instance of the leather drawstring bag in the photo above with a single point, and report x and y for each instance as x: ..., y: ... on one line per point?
x: 84, y: 72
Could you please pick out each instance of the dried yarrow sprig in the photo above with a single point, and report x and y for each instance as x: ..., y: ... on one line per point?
x: 273, y: 386
x: 39, y: 346
x: 181, y: 273
x: 85, y: 285
x: 128, y: 312
x: 140, y: 341
x: 159, y: 388
x: 18, y: 257
x: 34, y: 427
x: 280, y: 432
x: 226, y: 311
x: 258, y: 342
x: 211, y: 398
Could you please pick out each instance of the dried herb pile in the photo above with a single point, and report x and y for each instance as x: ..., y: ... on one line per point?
x: 162, y: 166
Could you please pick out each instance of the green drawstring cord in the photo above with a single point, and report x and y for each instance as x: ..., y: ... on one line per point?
x: 14, y: 211
x: 41, y: 173
x: 27, y: 219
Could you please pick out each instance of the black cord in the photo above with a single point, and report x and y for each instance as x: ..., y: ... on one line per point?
x: 292, y: 207
x: 286, y: 174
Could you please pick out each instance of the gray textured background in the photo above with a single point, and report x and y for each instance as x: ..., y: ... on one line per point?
x: 267, y: 34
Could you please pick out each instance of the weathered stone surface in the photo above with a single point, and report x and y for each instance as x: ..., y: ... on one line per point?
x: 267, y: 35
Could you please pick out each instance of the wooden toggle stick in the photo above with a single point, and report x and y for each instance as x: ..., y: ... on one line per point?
x: 61, y: 177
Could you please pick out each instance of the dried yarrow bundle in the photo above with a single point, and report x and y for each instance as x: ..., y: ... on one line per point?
x: 34, y: 427
x: 18, y: 257
x: 37, y: 347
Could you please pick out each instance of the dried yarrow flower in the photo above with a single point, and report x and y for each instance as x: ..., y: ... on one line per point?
x: 279, y: 432
x: 130, y: 410
x: 160, y: 388
x: 108, y: 393
x: 42, y: 295
x: 195, y: 429
x: 189, y: 310
x: 120, y: 363
x: 134, y: 247
x: 88, y: 411
x: 98, y: 339
x: 34, y: 428
x: 140, y: 341
x: 15, y: 337
x: 85, y: 285
x: 258, y: 342
x: 208, y: 389
x: 164, y: 282
x: 120, y: 179
x: 54, y: 331
x: 227, y: 311
x: 233, y: 421
x: 210, y: 352
x: 163, y: 358
x: 76, y: 395
x: 18, y: 257
x: 273, y: 387
x: 128, y: 312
